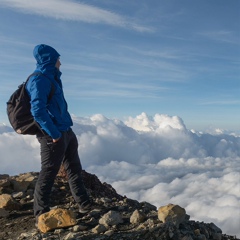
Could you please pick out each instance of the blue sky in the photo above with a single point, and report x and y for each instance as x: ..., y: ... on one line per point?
x: 122, y: 58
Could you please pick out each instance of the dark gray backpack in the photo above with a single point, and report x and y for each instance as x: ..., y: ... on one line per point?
x: 19, y: 110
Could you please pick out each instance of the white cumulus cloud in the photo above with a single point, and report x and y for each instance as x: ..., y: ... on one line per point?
x: 150, y: 158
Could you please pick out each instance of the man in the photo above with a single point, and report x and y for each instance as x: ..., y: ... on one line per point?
x: 58, y: 143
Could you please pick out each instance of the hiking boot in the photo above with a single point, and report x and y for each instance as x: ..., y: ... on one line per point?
x: 89, y: 206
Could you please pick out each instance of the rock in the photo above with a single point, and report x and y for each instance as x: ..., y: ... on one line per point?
x: 22, y: 182
x: 99, y: 229
x: 79, y: 228
x: 137, y: 217
x: 171, y: 213
x: 105, y: 200
x: 4, y: 183
x: 111, y: 218
x: 217, y: 236
x: 18, y: 195
x: 188, y: 237
x: 56, y: 218
x: 215, y: 228
x: 199, y: 235
x: 7, y: 202
x: 197, y: 232
x: 4, y: 176
x: 148, y: 206
x: 109, y: 232
x: 59, y: 230
x: 69, y: 236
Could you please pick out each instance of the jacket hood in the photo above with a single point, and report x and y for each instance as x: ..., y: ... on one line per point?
x: 46, y: 58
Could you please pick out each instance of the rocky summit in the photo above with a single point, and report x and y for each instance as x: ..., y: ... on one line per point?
x: 117, y: 217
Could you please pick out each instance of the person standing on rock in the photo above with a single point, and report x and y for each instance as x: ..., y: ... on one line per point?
x: 58, y: 143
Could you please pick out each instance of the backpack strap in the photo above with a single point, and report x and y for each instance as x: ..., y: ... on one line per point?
x: 33, y: 74
x: 51, y: 92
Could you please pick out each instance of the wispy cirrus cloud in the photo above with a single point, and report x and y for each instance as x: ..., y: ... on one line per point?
x: 221, y: 102
x: 221, y: 35
x: 106, y: 88
x: 73, y: 11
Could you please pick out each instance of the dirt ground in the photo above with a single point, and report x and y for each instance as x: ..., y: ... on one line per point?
x: 18, y: 222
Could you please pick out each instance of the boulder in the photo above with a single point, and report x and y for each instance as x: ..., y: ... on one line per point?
x: 56, y: 218
x: 172, y: 213
x: 111, y: 218
x: 7, y: 202
x: 137, y: 217
x: 22, y: 182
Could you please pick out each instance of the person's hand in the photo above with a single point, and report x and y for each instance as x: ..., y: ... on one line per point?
x: 55, y: 140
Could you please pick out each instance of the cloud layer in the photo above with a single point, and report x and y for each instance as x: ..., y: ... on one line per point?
x: 155, y: 159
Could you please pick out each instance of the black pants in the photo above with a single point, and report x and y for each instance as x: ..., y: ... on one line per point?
x: 52, y: 156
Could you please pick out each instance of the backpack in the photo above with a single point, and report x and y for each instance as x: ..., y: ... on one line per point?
x: 19, y: 110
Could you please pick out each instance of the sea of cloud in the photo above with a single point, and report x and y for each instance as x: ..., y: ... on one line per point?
x: 154, y: 159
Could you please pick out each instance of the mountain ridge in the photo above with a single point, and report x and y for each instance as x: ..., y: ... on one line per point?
x: 17, y: 221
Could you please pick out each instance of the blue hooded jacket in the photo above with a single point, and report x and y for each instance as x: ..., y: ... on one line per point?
x: 52, y: 116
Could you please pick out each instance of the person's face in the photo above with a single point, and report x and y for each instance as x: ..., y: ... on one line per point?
x: 58, y: 63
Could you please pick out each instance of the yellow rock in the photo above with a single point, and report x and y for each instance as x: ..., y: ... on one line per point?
x: 171, y: 213
x: 7, y: 202
x: 56, y: 218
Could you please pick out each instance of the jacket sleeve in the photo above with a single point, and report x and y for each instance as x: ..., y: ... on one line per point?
x: 39, y: 90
